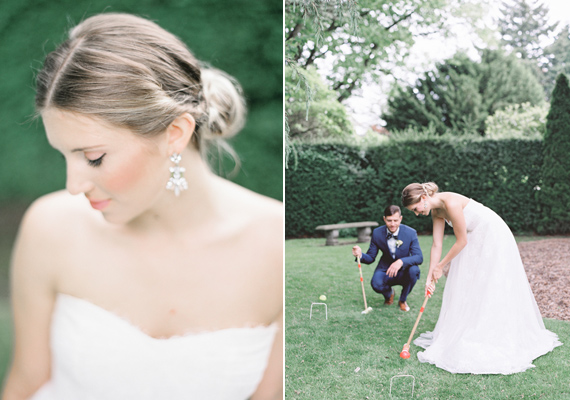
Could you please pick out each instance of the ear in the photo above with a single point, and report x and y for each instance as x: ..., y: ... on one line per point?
x: 384, y: 218
x: 179, y: 132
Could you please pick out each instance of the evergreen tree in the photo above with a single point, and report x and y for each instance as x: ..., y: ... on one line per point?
x: 461, y: 93
x: 554, y: 192
x: 522, y: 25
x: 557, y: 57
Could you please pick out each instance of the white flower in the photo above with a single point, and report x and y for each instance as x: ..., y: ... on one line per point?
x: 399, y: 243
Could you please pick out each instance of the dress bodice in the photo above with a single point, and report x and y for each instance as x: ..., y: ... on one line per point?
x: 98, y: 355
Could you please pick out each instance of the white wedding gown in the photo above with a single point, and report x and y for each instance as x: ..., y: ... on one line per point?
x: 489, y: 322
x: 96, y: 355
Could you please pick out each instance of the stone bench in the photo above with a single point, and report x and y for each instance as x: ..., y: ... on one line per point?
x: 363, y: 230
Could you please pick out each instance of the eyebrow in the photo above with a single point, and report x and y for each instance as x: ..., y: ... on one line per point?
x: 85, y: 148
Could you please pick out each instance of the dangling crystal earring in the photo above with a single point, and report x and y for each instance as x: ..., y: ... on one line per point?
x: 177, y: 182
x: 425, y: 205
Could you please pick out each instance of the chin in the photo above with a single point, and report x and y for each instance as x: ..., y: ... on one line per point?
x: 116, y: 218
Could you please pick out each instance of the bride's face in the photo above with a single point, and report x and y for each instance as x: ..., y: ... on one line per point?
x: 420, y: 208
x: 121, y: 174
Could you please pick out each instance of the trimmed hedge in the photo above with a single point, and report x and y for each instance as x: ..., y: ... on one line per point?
x: 330, y: 183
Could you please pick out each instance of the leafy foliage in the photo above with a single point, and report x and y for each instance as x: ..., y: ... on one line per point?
x: 333, y: 183
x: 461, y: 93
x: 518, y: 121
x: 318, y: 114
x: 361, y: 37
x: 558, y: 60
x: 555, y: 188
x: 523, y: 24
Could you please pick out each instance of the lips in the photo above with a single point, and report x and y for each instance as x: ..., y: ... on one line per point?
x: 99, y: 204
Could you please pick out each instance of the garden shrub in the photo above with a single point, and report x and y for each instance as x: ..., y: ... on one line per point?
x: 518, y: 121
x: 554, y: 195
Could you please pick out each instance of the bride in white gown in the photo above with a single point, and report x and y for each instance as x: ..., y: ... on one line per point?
x: 489, y: 322
x: 151, y: 278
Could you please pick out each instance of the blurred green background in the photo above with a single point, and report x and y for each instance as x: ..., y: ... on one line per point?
x: 241, y: 37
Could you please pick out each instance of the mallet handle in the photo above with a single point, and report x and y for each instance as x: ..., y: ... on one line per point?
x: 362, y: 284
x: 417, y: 321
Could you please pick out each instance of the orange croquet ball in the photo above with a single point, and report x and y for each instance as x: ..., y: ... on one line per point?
x: 404, y: 354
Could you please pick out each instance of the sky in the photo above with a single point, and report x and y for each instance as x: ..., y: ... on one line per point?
x: 366, y: 104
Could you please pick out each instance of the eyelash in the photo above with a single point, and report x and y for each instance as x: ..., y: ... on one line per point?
x: 97, y: 162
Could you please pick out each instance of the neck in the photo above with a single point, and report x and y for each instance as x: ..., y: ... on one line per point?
x: 435, y: 202
x: 193, y: 208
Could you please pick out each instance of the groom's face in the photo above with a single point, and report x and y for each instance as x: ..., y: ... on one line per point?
x: 393, y: 222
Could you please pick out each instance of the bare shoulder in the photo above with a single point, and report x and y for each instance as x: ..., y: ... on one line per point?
x: 55, y: 213
x: 254, y: 209
x: 46, y: 226
x: 258, y: 221
x: 454, y: 201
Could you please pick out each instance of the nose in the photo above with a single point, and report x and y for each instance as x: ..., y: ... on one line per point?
x: 77, y: 181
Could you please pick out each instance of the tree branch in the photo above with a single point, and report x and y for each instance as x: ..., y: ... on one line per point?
x: 346, y: 93
x: 294, y: 133
x: 295, y: 31
x: 403, y: 18
x: 332, y: 26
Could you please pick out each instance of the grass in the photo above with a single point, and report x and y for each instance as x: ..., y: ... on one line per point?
x: 354, y: 356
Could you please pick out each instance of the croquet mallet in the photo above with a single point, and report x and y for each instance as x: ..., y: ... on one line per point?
x: 366, y: 308
x: 405, y: 351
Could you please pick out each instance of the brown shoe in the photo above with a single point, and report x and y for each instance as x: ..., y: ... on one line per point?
x: 391, y: 300
x: 403, y: 306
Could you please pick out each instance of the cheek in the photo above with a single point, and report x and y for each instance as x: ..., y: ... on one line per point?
x: 124, y: 179
x: 132, y: 172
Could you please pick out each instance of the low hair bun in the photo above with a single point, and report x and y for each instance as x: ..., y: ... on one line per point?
x: 225, y: 105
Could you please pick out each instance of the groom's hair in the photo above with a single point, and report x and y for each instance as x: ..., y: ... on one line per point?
x: 391, y: 210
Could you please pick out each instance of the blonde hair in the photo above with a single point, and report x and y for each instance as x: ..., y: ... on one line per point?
x: 414, y: 191
x: 133, y: 74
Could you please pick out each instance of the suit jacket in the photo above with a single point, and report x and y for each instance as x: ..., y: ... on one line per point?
x: 409, y: 252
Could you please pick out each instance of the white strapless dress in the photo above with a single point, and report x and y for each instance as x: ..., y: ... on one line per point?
x: 96, y: 355
x: 489, y: 322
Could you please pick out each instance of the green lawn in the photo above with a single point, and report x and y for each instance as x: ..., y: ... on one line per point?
x: 322, y: 356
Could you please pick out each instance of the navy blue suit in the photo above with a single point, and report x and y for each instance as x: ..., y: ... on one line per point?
x: 409, y: 252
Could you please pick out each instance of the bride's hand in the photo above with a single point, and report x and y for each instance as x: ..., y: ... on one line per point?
x: 430, y: 287
x: 437, y: 273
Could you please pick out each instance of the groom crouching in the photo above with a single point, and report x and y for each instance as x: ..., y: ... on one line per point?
x: 401, y: 255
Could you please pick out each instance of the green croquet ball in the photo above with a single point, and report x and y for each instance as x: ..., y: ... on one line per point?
x: 323, y: 297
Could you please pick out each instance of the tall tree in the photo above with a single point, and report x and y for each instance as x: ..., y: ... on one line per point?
x: 554, y: 192
x: 522, y: 25
x: 557, y: 60
x: 460, y: 93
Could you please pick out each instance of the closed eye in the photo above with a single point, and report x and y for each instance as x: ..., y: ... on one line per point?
x: 97, y: 162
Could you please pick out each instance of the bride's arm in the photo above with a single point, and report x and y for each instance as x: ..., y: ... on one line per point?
x: 272, y: 243
x: 32, y: 304
x: 271, y: 386
x: 455, y: 213
x: 436, y: 247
